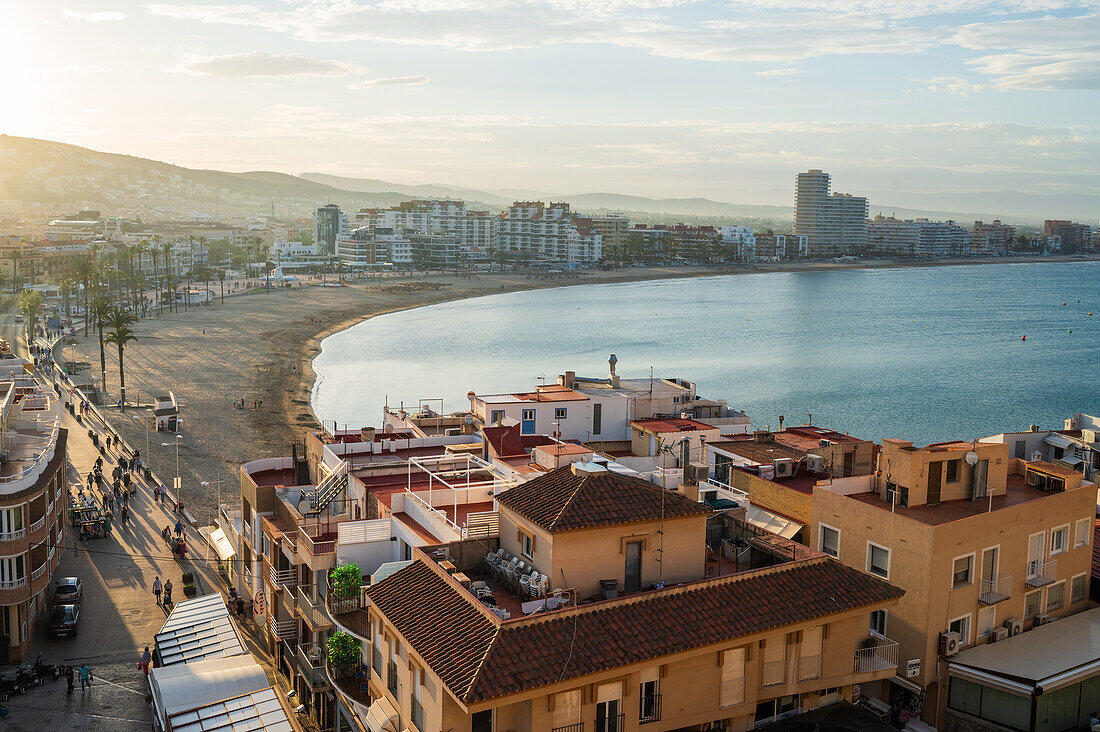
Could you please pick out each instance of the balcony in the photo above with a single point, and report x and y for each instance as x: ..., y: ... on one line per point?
x: 995, y: 590
x: 732, y: 693
x: 40, y: 571
x: 809, y: 668
x: 773, y: 673
x: 610, y: 723
x: 13, y: 535
x: 879, y: 657
x: 311, y: 610
x: 391, y: 678
x: 417, y: 714
x: 649, y: 708
x: 316, y: 545
x: 352, y: 682
x: 282, y: 629
x: 1041, y: 573
x: 40, y: 523
x: 578, y: 727
x: 281, y: 577
x: 311, y: 662
x: 14, y: 584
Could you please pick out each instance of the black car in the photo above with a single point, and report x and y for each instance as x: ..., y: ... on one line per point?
x: 69, y: 590
x: 65, y: 620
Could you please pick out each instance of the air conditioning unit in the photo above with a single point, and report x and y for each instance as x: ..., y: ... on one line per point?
x: 452, y: 431
x: 815, y: 463
x: 825, y: 443
x: 696, y: 473
x: 949, y: 643
x: 998, y: 634
x: 1014, y: 626
x: 767, y: 472
x: 687, y: 415
x: 1036, y: 455
x: 784, y: 467
x: 1042, y: 619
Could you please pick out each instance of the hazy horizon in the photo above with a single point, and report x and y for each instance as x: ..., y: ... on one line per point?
x: 659, y: 98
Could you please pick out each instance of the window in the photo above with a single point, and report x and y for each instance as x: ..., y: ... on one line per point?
x: 1056, y: 597
x: 1032, y: 602
x: 952, y: 471
x: 1079, y: 588
x: 527, y: 544
x: 878, y: 560
x: 11, y: 520
x: 733, y: 677
x: 987, y: 621
x: 496, y: 416
x: 962, y: 627
x: 878, y: 622
x: 1019, y: 449
x: 609, y: 716
x: 962, y: 572
x: 830, y: 540
x: 12, y: 571
x: 567, y: 709
x: 1081, y: 532
x: 597, y: 418
x: 649, y: 703
x: 560, y: 412
x: 482, y: 721
x: 1059, y: 540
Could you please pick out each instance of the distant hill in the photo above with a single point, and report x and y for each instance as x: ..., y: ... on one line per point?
x: 372, y: 185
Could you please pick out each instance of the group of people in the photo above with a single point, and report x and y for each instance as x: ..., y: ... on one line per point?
x: 84, y: 673
x: 165, y: 588
x: 256, y: 403
x: 176, y: 543
x: 235, y: 603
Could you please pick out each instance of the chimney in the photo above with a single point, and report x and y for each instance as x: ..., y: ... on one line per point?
x: 570, y: 379
x: 612, y: 377
x: 781, y: 423
x: 366, y: 434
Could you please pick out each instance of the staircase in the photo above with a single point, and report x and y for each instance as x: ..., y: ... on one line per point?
x: 329, y: 488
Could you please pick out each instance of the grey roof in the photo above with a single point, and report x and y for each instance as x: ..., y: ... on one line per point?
x: 252, y: 711
x: 198, y: 629
x: 1049, y: 650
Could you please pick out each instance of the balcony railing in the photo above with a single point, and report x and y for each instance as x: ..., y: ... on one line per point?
x: 994, y: 590
x: 282, y: 577
x: 733, y: 692
x: 578, y: 727
x: 285, y: 629
x: 1041, y: 572
x: 311, y: 661
x: 13, y: 584
x: 376, y: 659
x: 649, y: 708
x: 809, y: 668
x: 13, y: 535
x: 38, y: 524
x: 610, y: 723
x: 773, y: 673
x: 341, y: 605
x: 312, y: 611
x: 315, y: 547
x: 417, y: 714
x: 41, y: 570
x: 879, y: 657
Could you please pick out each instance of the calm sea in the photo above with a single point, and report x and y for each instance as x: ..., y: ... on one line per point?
x: 924, y: 354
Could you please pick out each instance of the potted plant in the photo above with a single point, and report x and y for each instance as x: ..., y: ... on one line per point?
x: 343, y: 650
x: 869, y: 642
x: 188, y: 578
x: 345, y: 581
x: 189, y: 590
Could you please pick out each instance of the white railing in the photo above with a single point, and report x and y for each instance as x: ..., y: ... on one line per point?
x: 995, y: 590
x: 282, y: 577
x: 482, y: 525
x: 13, y: 535
x: 877, y: 658
x: 809, y: 668
x: 733, y: 692
x: 773, y: 673
x: 284, y: 629
x: 39, y: 572
x: 312, y: 611
x: 1041, y: 572
x: 434, y: 512
x: 38, y: 524
x: 723, y: 490
x: 13, y: 584
x: 42, y: 457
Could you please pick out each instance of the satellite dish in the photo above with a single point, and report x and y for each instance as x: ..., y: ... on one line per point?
x: 971, y: 458
x: 304, y: 506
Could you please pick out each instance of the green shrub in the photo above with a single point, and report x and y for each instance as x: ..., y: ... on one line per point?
x: 345, y: 581
x: 343, y: 649
x: 188, y: 578
x: 189, y: 591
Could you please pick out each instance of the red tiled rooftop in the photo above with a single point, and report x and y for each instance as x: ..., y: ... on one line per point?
x: 661, y: 425
x: 941, y: 513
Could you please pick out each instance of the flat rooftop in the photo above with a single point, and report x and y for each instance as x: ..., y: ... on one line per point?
x: 661, y: 425
x: 941, y: 513
x: 803, y: 481
x: 542, y: 394
x: 758, y: 452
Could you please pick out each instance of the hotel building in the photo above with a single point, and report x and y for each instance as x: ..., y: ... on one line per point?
x: 833, y: 224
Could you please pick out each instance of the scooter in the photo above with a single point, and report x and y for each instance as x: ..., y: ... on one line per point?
x: 46, y: 670
x: 8, y: 687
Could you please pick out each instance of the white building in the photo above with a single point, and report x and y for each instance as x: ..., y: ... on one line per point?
x: 916, y: 237
x: 551, y: 232
x: 741, y: 237
x: 557, y: 411
x: 433, y: 216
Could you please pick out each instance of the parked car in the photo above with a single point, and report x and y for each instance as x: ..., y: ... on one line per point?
x: 65, y: 620
x: 69, y: 590
x: 18, y: 318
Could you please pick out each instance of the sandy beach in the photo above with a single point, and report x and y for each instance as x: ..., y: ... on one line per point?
x: 259, y: 347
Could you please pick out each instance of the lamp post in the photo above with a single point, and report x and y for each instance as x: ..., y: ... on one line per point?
x: 218, y: 483
x: 176, y: 442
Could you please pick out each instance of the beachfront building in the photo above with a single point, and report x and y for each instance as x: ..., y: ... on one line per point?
x: 291, y: 256
x: 329, y: 223
x: 33, y: 503
x: 1071, y: 236
x: 434, y: 216
x: 366, y: 248
x: 888, y: 236
x: 985, y: 545
x: 612, y: 228
x: 607, y: 603
x: 549, y: 233
x: 834, y: 224
x: 740, y: 241
x: 992, y: 238
x: 770, y: 246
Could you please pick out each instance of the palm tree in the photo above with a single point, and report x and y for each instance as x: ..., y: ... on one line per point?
x: 166, y: 247
x: 30, y: 304
x: 67, y: 285
x: 101, y: 310
x: 84, y: 271
x: 221, y: 279
x: 119, y: 321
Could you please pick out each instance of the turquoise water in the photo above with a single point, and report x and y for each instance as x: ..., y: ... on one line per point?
x: 925, y: 354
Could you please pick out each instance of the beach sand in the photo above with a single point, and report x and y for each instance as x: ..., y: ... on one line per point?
x: 259, y: 347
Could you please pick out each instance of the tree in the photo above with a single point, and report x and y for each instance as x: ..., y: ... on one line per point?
x: 101, y: 309
x: 119, y: 321
x: 343, y: 650
x: 84, y: 271
x: 345, y: 581
x: 221, y: 279
x: 30, y: 305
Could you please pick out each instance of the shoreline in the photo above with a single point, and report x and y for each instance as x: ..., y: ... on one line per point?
x: 260, y: 347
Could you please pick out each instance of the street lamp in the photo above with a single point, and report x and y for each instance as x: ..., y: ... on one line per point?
x: 176, y: 442
x: 218, y: 482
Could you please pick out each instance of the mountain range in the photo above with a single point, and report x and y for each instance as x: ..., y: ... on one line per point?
x: 58, y: 177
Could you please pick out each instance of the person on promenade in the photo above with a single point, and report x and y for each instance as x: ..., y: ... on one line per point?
x: 108, y: 443
x: 168, y: 593
x: 179, y: 506
x: 146, y: 659
x: 85, y: 678
x: 69, y: 678
x: 158, y: 587
x: 179, y: 528
x: 240, y: 607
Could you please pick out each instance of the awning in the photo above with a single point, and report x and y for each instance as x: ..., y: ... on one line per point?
x: 772, y: 522
x: 382, y: 717
x: 991, y: 680
x: 221, y: 544
x: 1058, y: 440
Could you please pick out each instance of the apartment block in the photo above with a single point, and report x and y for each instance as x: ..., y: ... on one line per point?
x: 985, y: 545
x: 991, y: 238
x: 612, y: 228
x: 834, y: 224
x: 888, y: 236
x: 1072, y: 236
x: 549, y: 232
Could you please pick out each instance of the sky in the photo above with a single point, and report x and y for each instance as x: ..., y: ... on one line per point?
x: 667, y: 98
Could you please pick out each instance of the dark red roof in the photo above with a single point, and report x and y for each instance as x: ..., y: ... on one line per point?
x: 481, y: 658
x: 562, y: 500
x: 504, y: 441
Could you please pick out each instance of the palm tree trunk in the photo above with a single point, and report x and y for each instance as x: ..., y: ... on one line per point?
x: 121, y: 379
x: 102, y: 358
x: 85, y: 308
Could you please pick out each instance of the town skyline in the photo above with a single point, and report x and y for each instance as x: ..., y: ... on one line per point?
x: 699, y: 99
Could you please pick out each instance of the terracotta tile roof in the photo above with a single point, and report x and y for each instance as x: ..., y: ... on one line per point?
x: 562, y: 500
x: 481, y: 658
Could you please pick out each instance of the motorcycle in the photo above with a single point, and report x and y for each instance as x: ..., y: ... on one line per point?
x: 45, y: 670
x: 25, y: 675
x: 8, y: 687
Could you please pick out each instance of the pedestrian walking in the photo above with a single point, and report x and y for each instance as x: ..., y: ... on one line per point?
x: 123, y: 463
x: 125, y: 514
x: 168, y: 593
x: 108, y: 443
x: 179, y: 528
x: 158, y: 587
x: 85, y: 678
x: 240, y: 607
x: 146, y: 659
x: 179, y: 507
x: 69, y: 678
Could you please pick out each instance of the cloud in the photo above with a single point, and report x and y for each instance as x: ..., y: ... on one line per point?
x: 94, y: 16
x: 950, y: 85
x: 88, y: 69
x: 788, y: 71
x: 258, y: 64
x: 391, y: 81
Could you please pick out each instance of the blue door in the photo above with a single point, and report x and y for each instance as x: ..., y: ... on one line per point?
x: 527, y: 424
